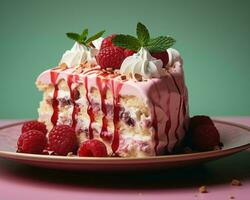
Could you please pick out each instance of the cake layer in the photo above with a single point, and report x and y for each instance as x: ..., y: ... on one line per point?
x: 133, y: 119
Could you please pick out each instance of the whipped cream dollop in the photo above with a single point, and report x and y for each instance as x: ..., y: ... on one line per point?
x: 144, y: 64
x: 79, y: 54
x: 174, y: 58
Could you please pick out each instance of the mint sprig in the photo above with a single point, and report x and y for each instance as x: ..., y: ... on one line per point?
x: 83, y: 37
x: 143, y: 39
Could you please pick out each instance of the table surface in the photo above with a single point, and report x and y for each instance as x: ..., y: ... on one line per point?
x: 18, y: 181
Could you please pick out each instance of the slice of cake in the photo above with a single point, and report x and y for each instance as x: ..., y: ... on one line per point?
x: 131, y: 96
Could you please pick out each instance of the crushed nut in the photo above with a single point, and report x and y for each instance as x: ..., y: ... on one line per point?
x: 79, y: 70
x: 117, y: 72
x: 124, y: 77
x: 203, y: 189
x: 138, y: 77
x: 63, y: 66
x: 235, y: 182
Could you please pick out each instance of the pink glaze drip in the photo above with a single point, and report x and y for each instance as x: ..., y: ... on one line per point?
x: 155, y: 125
x: 102, y: 86
x: 89, y: 109
x: 116, y: 100
x: 70, y: 80
x: 168, y: 123
x: 179, y: 110
x: 55, y: 103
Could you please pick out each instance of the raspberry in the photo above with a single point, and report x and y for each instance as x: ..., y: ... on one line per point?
x: 34, y: 125
x: 92, y: 148
x: 205, y: 137
x: 62, y: 140
x: 128, y: 52
x: 32, y: 141
x: 199, y: 120
x: 110, y: 57
x: 163, y: 56
x: 107, y: 42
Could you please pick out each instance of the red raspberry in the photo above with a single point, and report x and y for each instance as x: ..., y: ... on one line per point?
x: 128, y: 52
x: 34, y: 125
x: 107, y: 42
x: 62, y: 140
x: 205, y: 137
x: 199, y: 120
x: 32, y: 141
x: 110, y: 57
x: 92, y: 148
x: 163, y: 56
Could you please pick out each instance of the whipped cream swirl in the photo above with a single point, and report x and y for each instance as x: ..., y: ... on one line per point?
x: 144, y: 64
x: 79, y: 54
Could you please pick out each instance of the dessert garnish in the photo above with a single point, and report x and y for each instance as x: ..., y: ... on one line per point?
x: 83, y: 50
x: 62, y: 140
x: 32, y: 141
x: 156, y: 46
x: 92, y: 148
x: 83, y: 37
x: 202, y: 134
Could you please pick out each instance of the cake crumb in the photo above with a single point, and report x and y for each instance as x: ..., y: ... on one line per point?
x: 231, y: 197
x: 70, y: 154
x: 235, y: 182
x: 203, y: 189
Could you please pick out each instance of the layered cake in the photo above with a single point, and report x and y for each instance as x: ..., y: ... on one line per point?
x: 128, y: 93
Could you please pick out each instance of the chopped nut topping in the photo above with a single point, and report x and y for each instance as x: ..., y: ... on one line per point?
x: 124, y: 77
x: 236, y: 182
x: 63, y: 66
x: 138, y: 77
x: 203, y: 189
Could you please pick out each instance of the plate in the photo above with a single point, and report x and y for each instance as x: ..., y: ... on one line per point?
x: 235, y: 138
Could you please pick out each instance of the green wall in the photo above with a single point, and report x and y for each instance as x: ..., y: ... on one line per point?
x: 212, y: 36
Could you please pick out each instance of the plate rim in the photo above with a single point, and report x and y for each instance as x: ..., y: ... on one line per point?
x: 118, y: 160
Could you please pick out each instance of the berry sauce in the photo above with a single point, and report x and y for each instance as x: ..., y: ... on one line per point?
x: 168, y: 123
x: 55, y: 103
x: 102, y: 86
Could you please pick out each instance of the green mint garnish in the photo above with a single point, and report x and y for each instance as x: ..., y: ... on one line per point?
x: 142, y: 34
x: 82, y: 38
x: 143, y: 39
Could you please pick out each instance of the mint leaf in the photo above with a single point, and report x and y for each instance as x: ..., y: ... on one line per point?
x: 160, y: 43
x: 94, y: 37
x: 127, y: 42
x: 82, y: 39
x: 73, y: 36
x: 142, y: 34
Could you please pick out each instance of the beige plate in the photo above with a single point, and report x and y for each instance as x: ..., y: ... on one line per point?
x: 235, y: 138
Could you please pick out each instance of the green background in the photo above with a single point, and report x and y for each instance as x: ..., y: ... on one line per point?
x: 212, y: 36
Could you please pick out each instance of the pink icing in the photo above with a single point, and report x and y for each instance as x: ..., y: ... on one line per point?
x: 166, y: 97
